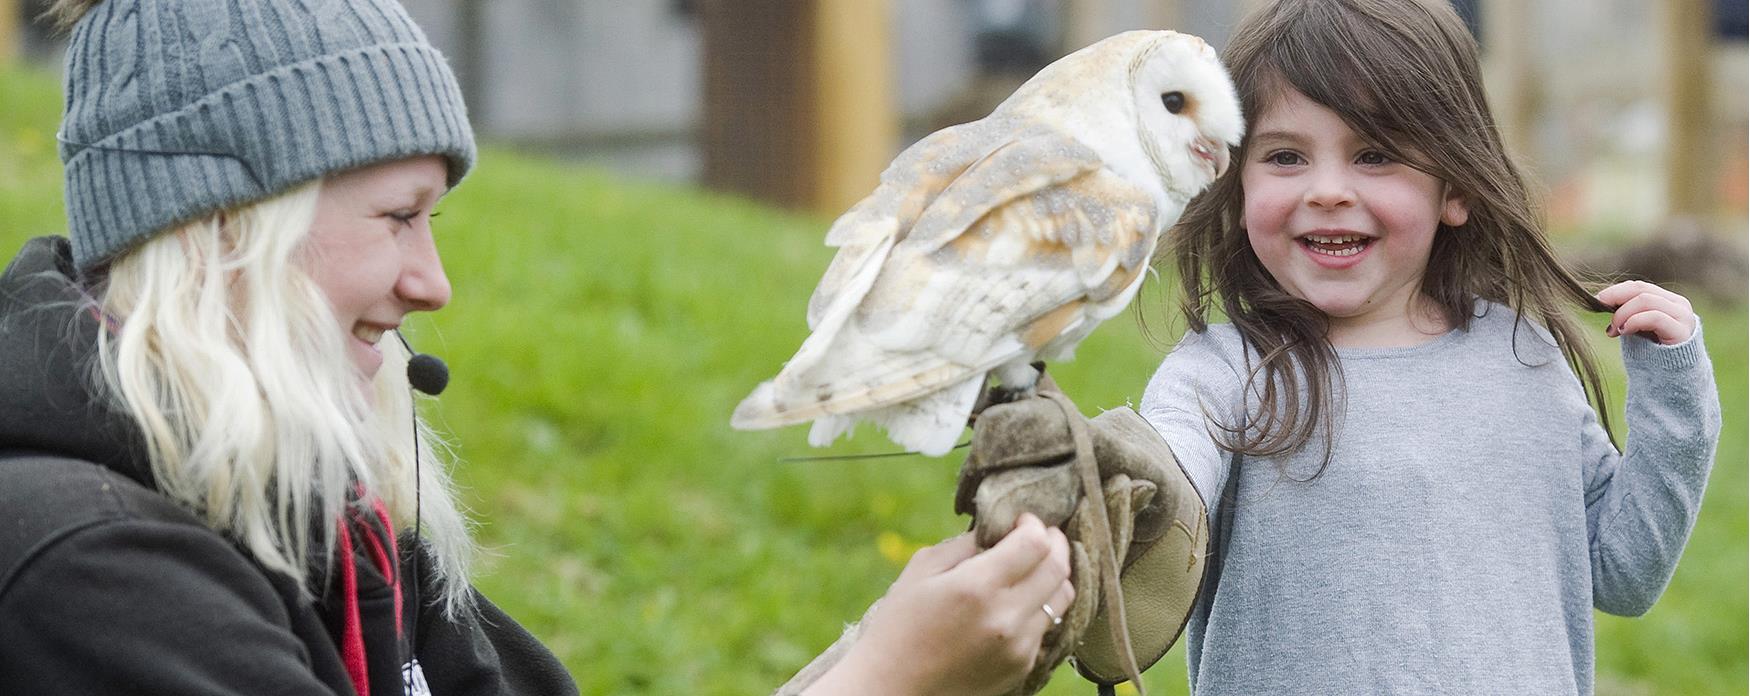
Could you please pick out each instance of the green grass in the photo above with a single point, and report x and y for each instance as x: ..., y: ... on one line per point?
x: 601, y: 333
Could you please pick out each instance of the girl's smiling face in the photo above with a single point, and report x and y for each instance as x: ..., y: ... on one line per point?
x: 371, y: 250
x: 1339, y: 223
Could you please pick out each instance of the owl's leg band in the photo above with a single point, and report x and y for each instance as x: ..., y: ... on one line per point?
x: 1015, y: 382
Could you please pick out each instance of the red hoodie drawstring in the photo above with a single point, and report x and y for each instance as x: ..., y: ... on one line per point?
x: 352, y: 637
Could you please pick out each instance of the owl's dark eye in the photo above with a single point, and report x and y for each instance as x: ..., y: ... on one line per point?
x: 1174, y: 101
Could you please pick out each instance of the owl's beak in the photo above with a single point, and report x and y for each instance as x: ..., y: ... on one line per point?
x: 1214, y: 151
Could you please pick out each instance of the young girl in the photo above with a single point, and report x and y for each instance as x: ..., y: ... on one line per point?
x: 1415, y: 493
x: 208, y: 475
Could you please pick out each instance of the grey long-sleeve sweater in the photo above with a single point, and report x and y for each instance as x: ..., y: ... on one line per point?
x: 1472, y: 515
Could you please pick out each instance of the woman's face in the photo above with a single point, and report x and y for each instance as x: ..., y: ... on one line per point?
x: 371, y: 250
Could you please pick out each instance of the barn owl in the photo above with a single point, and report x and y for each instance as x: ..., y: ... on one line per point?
x: 993, y: 244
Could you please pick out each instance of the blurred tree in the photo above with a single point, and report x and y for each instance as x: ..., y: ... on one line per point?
x: 798, y: 106
x: 756, y: 88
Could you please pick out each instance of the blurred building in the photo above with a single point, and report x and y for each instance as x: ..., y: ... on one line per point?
x: 1585, y: 88
x: 620, y: 83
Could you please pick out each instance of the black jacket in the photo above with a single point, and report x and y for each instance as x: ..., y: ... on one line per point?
x: 107, y: 587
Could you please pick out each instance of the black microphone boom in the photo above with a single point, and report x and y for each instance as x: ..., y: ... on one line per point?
x: 427, y: 373
x: 430, y: 375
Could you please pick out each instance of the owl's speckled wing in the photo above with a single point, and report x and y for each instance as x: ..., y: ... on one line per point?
x: 992, y: 244
x: 1019, y: 253
x: 908, y: 186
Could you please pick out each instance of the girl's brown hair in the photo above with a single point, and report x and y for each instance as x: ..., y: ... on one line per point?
x: 1403, y: 75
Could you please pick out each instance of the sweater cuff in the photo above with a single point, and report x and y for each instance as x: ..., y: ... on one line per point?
x: 1637, y: 349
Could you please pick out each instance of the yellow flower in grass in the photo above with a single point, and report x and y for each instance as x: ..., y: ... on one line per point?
x: 895, y: 548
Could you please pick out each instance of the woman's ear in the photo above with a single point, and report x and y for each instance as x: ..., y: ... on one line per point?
x: 1454, y: 207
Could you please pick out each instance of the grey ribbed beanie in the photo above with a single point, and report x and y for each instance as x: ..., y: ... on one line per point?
x: 179, y: 108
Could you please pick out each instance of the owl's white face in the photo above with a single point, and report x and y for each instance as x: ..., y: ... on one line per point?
x: 1187, y: 114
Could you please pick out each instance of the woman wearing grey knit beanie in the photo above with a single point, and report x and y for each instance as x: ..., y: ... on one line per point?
x: 211, y: 473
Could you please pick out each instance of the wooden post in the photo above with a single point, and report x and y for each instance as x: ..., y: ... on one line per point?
x: 11, y: 33
x: 1688, y: 161
x: 1164, y: 14
x: 1085, y: 22
x: 856, y: 120
x: 1508, y: 33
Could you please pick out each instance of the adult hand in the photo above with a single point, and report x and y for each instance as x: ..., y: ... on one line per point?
x: 1643, y: 307
x: 958, y: 621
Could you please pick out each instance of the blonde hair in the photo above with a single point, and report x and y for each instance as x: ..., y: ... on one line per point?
x: 230, y: 360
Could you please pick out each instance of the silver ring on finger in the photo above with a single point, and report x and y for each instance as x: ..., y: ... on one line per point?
x: 1055, y: 619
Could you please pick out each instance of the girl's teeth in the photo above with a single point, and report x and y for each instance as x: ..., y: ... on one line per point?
x: 1344, y: 245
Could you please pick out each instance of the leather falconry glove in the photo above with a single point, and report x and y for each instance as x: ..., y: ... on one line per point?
x: 1137, y: 544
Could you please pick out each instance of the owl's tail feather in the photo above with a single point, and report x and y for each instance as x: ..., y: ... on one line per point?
x: 759, y: 411
x: 828, y: 428
x: 931, y: 425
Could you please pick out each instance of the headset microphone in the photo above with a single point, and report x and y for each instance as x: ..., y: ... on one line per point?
x: 425, y: 372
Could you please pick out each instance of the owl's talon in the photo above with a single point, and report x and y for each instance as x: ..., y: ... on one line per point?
x: 1002, y: 394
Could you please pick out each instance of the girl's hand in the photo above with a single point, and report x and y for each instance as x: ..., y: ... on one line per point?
x: 958, y: 621
x: 1645, y: 308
